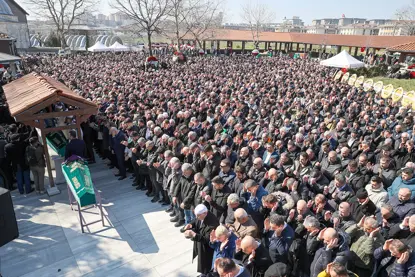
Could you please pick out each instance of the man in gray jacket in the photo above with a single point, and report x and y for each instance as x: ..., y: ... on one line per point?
x: 172, y: 181
x: 164, y: 171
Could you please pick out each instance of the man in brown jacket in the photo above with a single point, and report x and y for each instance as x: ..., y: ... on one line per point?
x: 244, y: 225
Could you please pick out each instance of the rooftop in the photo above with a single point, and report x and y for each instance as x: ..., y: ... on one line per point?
x: 316, y: 39
x: 33, y: 89
x: 405, y: 48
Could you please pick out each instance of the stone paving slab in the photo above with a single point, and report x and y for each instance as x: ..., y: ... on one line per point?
x: 137, y: 239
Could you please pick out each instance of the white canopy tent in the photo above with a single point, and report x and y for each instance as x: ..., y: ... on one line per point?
x: 99, y: 47
x: 343, y: 60
x: 118, y: 47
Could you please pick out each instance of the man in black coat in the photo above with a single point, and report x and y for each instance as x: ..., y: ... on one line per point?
x: 152, y: 155
x: 75, y: 146
x: 199, y: 232
x: 203, y: 188
x: 363, y: 206
x: 15, y: 153
x: 219, y: 197
x: 212, y: 162
x: 253, y: 255
x: 117, y: 137
x: 184, y: 194
x: 244, y: 158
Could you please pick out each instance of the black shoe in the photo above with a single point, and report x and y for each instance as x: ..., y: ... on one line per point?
x: 139, y: 188
x: 182, y: 230
x: 161, y: 200
x: 165, y: 203
x: 117, y: 175
x: 111, y: 167
x: 30, y: 191
x: 143, y: 188
x: 179, y: 223
x: 155, y: 199
x: 172, y: 214
x: 132, y: 177
x: 148, y: 193
x: 174, y: 219
x: 122, y: 178
x: 134, y: 184
x: 169, y: 210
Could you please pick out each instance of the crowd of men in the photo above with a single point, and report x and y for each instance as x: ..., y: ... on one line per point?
x: 270, y: 166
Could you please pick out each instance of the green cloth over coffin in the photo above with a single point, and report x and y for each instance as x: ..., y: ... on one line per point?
x: 57, y: 141
x: 78, y: 177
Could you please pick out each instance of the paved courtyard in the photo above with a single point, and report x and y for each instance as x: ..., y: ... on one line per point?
x: 137, y: 239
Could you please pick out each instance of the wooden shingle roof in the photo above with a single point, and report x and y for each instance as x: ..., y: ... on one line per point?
x: 34, y: 89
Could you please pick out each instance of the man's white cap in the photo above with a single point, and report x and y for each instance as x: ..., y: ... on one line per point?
x: 200, y: 209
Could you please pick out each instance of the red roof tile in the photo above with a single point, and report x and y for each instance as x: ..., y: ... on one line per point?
x: 317, y: 39
x: 406, y: 47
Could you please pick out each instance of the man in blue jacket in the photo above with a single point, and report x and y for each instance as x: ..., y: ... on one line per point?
x: 118, y: 148
x: 75, y: 146
x: 406, y: 180
x: 394, y: 259
x: 278, y: 236
x: 253, y: 193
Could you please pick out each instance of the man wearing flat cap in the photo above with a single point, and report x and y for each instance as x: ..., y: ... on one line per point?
x: 199, y: 232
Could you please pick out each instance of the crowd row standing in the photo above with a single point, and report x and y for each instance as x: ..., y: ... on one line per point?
x: 268, y: 165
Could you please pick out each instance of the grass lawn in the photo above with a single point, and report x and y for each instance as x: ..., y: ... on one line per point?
x: 406, y: 84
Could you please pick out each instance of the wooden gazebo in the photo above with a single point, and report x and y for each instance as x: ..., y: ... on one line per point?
x: 31, y: 98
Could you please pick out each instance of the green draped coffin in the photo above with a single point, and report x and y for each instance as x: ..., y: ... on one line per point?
x: 78, y: 177
x: 57, y: 141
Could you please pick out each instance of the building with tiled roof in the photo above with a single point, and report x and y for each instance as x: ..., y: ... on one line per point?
x: 13, y: 22
x: 403, y: 48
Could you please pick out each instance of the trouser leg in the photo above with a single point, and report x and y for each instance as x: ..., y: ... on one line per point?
x: 35, y: 174
x: 19, y: 178
x: 121, y: 166
x: 41, y: 174
x: 148, y: 183
x: 26, y: 177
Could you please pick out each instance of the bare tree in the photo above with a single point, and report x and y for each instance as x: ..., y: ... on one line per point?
x: 257, y: 16
x: 62, y: 13
x: 406, y: 19
x: 202, y: 19
x: 147, y: 15
x: 177, y: 14
x: 193, y: 18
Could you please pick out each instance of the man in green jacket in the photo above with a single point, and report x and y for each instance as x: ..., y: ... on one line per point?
x: 364, y: 242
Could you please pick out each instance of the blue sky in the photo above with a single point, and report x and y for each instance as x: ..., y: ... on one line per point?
x: 306, y: 9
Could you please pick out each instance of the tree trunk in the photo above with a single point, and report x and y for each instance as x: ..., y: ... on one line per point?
x: 199, y: 43
x: 62, y: 39
x: 150, y: 49
x: 177, y: 35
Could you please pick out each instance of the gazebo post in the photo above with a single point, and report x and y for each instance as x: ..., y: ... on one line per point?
x: 52, y: 190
